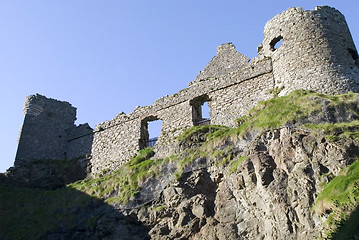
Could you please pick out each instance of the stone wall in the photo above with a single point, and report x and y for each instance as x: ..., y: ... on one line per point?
x: 79, y: 142
x: 114, y: 142
x: 317, y: 53
x: 227, y: 105
x: 229, y: 96
x: 49, y: 132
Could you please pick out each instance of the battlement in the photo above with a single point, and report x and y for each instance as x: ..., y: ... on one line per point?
x: 316, y: 53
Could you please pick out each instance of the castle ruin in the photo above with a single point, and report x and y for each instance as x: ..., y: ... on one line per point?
x: 317, y: 53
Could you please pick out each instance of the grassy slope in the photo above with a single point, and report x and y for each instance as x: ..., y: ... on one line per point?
x: 120, y: 186
x: 295, y: 108
x: 340, y: 198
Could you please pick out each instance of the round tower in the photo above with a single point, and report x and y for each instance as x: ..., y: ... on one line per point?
x: 311, y: 50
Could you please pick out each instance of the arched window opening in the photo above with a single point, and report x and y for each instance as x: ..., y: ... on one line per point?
x: 150, y: 130
x: 276, y: 43
x: 200, y: 110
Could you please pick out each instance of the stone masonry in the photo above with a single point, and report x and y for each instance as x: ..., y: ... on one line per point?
x: 317, y: 53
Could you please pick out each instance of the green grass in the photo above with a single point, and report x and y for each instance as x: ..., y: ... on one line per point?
x: 233, y: 165
x: 276, y: 112
x: 202, y: 142
x: 122, y: 185
x: 217, y: 153
x: 340, y: 198
x: 296, y: 107
x: 186, y: 157
x: 336, y: 131
x: 211, y: 132
x: 160, y: 208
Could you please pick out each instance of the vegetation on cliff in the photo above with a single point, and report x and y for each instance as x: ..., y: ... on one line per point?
x: 298, y: 108
x: 120, y: 186
x: 340, y: 200
x: 333, y: 118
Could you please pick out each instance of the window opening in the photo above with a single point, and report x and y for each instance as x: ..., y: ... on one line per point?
x: 200, y: 111
x: 150, y: 130
x: 276, y: 43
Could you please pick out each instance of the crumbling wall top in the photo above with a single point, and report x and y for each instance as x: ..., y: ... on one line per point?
x: 38, y: 104
x: 227, y: 60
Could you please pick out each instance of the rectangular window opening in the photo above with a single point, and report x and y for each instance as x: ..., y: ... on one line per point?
x: 150, y: 131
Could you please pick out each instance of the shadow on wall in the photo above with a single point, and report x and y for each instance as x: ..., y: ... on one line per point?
x: 79, y: 143
x: 63, y: 213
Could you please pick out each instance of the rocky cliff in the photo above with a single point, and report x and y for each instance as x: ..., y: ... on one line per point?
x: 288, y: 171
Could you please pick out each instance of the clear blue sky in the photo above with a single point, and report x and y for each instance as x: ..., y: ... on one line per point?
x: 109, y: 56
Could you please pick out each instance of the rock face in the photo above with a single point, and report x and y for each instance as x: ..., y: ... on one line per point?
x: 269, y: 196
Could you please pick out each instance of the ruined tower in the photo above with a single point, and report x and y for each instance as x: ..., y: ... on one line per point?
x: 45, y: 129
x: 317, y: 51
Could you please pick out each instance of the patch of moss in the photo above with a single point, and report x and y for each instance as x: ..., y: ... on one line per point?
x: 185, y: 158
x: 217, y: 153
x: 160, y: 208
x: 340, y: 198
x: 211, y: 132
x: 276, y: 91
x: 142, y: 155
x: 233, y: 165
